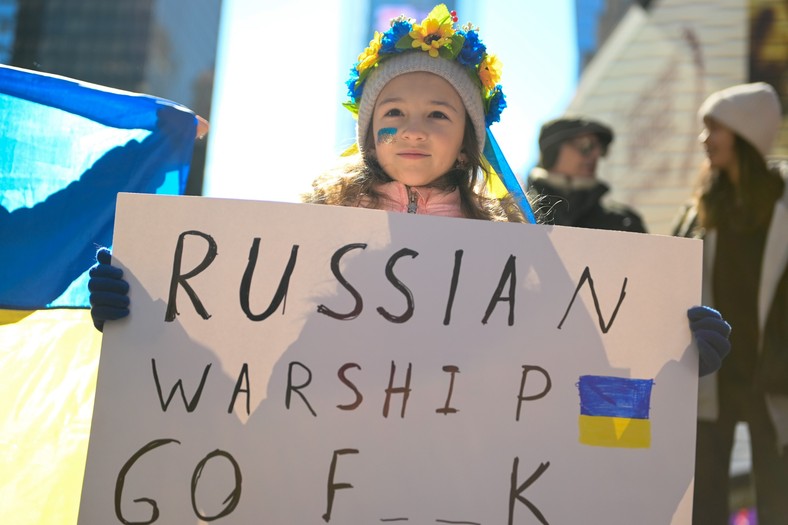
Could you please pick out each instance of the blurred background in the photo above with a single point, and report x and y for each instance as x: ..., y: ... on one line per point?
x: 270, y: 77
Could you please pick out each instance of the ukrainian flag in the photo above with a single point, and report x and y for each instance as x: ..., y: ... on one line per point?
x: 614, y: 411
x: 66, y: 149
x: 503, y: 180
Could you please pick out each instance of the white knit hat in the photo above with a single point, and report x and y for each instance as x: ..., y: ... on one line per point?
x: 435, y: 46
x: 752, y: 111
x: 454, y: 73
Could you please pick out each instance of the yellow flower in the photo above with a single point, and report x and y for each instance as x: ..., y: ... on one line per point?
x: 369, y: 57
x: 431, y: 35
x: 490, y: 71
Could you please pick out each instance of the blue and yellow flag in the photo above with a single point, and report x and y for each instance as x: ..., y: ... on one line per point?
x: 503, y: 180
x: 614, y: 411
x: 66, y: 149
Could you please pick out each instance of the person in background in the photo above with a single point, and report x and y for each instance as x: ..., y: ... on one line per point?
x: 740, y: 209
x: 566, y: 177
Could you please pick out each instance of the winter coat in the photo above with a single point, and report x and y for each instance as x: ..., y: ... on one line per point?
x: 566, y: 201
x: 395, y: 196
x: 772, y: 362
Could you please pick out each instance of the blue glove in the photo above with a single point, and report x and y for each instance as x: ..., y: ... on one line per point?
x: 711, y: 333
x: 109, y: 299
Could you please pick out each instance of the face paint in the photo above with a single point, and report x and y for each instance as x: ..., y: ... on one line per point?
x: 387, y: 135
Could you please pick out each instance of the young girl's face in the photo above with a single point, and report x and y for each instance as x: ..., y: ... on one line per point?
x: 418, y: 125
x: 718, y: 141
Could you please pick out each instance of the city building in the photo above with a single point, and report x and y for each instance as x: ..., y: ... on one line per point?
x: 648, y: 78
x: 165, y: 48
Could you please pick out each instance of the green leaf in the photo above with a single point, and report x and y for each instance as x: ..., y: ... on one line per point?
x: 352, y: 107
x: 477, y: 80
x: 456, y: 44
x: 364, y: 74
x: 446, y: 53
x: 440, y: 12
x: 406, y: 42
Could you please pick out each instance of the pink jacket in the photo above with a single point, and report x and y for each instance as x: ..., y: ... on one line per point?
x: 422, y: 200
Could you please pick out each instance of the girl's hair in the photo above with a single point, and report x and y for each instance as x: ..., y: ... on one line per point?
x: 745, y: 207
x: 353, y: 183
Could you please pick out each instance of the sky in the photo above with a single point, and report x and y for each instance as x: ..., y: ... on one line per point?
x: 277, y: 120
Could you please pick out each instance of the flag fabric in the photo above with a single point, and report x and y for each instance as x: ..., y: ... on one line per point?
x: 614, y: 411
x: 48, y: 369
x: 66, y: 149
x: 503, y: 181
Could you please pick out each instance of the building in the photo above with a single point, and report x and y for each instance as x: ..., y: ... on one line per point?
x: 165, y: 48
x: 8, y: 10
x: 652, y: 73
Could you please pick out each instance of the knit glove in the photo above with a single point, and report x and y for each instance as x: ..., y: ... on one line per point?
x: 109, y: 299
x: 711, y: 333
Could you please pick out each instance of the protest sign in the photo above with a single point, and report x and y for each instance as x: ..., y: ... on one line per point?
x: 292, y: 363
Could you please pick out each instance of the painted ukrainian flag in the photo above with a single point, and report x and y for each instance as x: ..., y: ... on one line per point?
x: 66, y: 149
x: 614, y: 411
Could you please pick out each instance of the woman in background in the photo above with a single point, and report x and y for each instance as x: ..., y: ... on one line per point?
x: 741, y: 211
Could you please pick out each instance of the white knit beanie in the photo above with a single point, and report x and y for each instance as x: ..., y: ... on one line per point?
x: 752, y: 111
x: 409, y: 62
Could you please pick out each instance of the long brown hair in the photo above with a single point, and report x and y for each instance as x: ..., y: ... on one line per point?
x: 743, y: 207
x: 353, y: 181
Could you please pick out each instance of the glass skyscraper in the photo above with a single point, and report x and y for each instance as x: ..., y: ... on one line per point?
x: 165, y: 48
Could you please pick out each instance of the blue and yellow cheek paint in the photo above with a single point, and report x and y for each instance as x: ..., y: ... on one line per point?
x: 387, y: 135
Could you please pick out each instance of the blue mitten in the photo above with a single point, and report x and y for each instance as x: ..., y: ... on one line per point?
x: 711, y: 333
x: 109, y: 299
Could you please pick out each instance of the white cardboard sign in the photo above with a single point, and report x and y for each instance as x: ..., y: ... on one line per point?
x: 296, y: 364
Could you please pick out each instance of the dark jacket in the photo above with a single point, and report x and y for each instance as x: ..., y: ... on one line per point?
x: 772, y: 364
x: 563, y: 203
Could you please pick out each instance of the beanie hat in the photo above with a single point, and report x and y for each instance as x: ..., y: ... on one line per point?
x: 558, y: 130
x: 452, y: 72
x: 752, y: 111
x: 433, y: 46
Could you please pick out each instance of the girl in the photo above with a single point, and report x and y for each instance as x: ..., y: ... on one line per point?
x: 425, y: 95
x: 741, y: 210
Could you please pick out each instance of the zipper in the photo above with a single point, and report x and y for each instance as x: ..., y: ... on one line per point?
x: 412, y: 200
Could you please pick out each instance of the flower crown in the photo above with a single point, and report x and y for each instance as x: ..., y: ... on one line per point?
x: 436, y: 36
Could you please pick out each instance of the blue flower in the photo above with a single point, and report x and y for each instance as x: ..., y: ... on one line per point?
x: 398, y: 29
x: 497, y: 104
x: 353, y: 91
x: 472, y: 49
